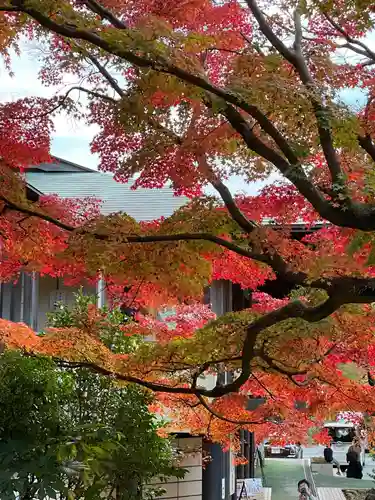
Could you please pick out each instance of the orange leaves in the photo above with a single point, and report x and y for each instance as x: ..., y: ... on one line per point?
x: 17, y: 335
x: 280, y: 406
x: 70, y: 344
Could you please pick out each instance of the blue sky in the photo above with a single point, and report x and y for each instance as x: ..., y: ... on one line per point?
x: 71, y: 139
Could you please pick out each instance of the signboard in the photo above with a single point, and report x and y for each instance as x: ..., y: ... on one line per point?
x: 249, y: 489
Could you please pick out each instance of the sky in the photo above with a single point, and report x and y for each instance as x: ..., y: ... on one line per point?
x: 71, y: 139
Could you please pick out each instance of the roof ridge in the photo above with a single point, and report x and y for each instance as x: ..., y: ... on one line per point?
x: 68, y: 162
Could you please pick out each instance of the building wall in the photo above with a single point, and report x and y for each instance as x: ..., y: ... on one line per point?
x: 52, y: 290
x: 190, y: 487
x: 30, y: 298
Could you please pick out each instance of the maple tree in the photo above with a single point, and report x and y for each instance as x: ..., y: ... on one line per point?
x: 191, y: 93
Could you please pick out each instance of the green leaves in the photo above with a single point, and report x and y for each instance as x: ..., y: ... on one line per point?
x: 109, y: 322
x: 74, y: 434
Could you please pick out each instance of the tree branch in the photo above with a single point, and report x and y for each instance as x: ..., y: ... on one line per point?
x: 295, y: 57
x: 298, y: 34
x: 157, y: 238
x: 268, y: 32
x: 110, y: 79
x: 105, y: 13
x: 10, y: 8
x: 367, y: 144
x: 293, y: 172
x: 221, y: 417
x: 93, y: 93
x: 237, y: 215
x: 292, y: 310
x: 366, y: 49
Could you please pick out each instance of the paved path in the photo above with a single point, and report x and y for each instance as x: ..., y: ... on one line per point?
x: 283, y: 474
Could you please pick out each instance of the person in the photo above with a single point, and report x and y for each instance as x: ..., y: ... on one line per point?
x: 364, y: 444
x: 328, y: 457
x: 356, y: 447
x: 304, y: 490
x: 354, y: 469
x: 299, y: 451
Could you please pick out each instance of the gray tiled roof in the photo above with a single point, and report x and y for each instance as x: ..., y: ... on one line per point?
x: 141, y: 204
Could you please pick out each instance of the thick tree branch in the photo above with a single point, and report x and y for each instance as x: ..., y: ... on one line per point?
x: 296, y: 58
x: 357, y: 50
x: 292, y: 310
x: 236, y: 214
x: 293, y: 172
x: 268, y: 32
x: 297, y: 46
x: 367, y: 144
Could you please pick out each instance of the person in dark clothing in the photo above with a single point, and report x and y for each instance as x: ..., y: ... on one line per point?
x: 354, y: 469
x: 328, y: 457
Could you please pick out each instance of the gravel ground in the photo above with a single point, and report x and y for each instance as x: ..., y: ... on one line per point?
x: 355, y: 494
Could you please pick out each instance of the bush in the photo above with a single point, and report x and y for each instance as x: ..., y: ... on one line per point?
x: 70, y: 433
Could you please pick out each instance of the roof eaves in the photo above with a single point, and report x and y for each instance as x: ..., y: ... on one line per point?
x: 33, y: 188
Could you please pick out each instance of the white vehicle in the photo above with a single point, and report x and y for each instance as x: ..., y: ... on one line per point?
x: 342, y: 435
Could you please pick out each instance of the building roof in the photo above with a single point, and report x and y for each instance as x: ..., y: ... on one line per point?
x: 68, y: 180
x: 59, y: 165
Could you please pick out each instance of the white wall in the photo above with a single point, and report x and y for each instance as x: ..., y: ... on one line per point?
x: 190, y: 487
x: 51, y: 289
